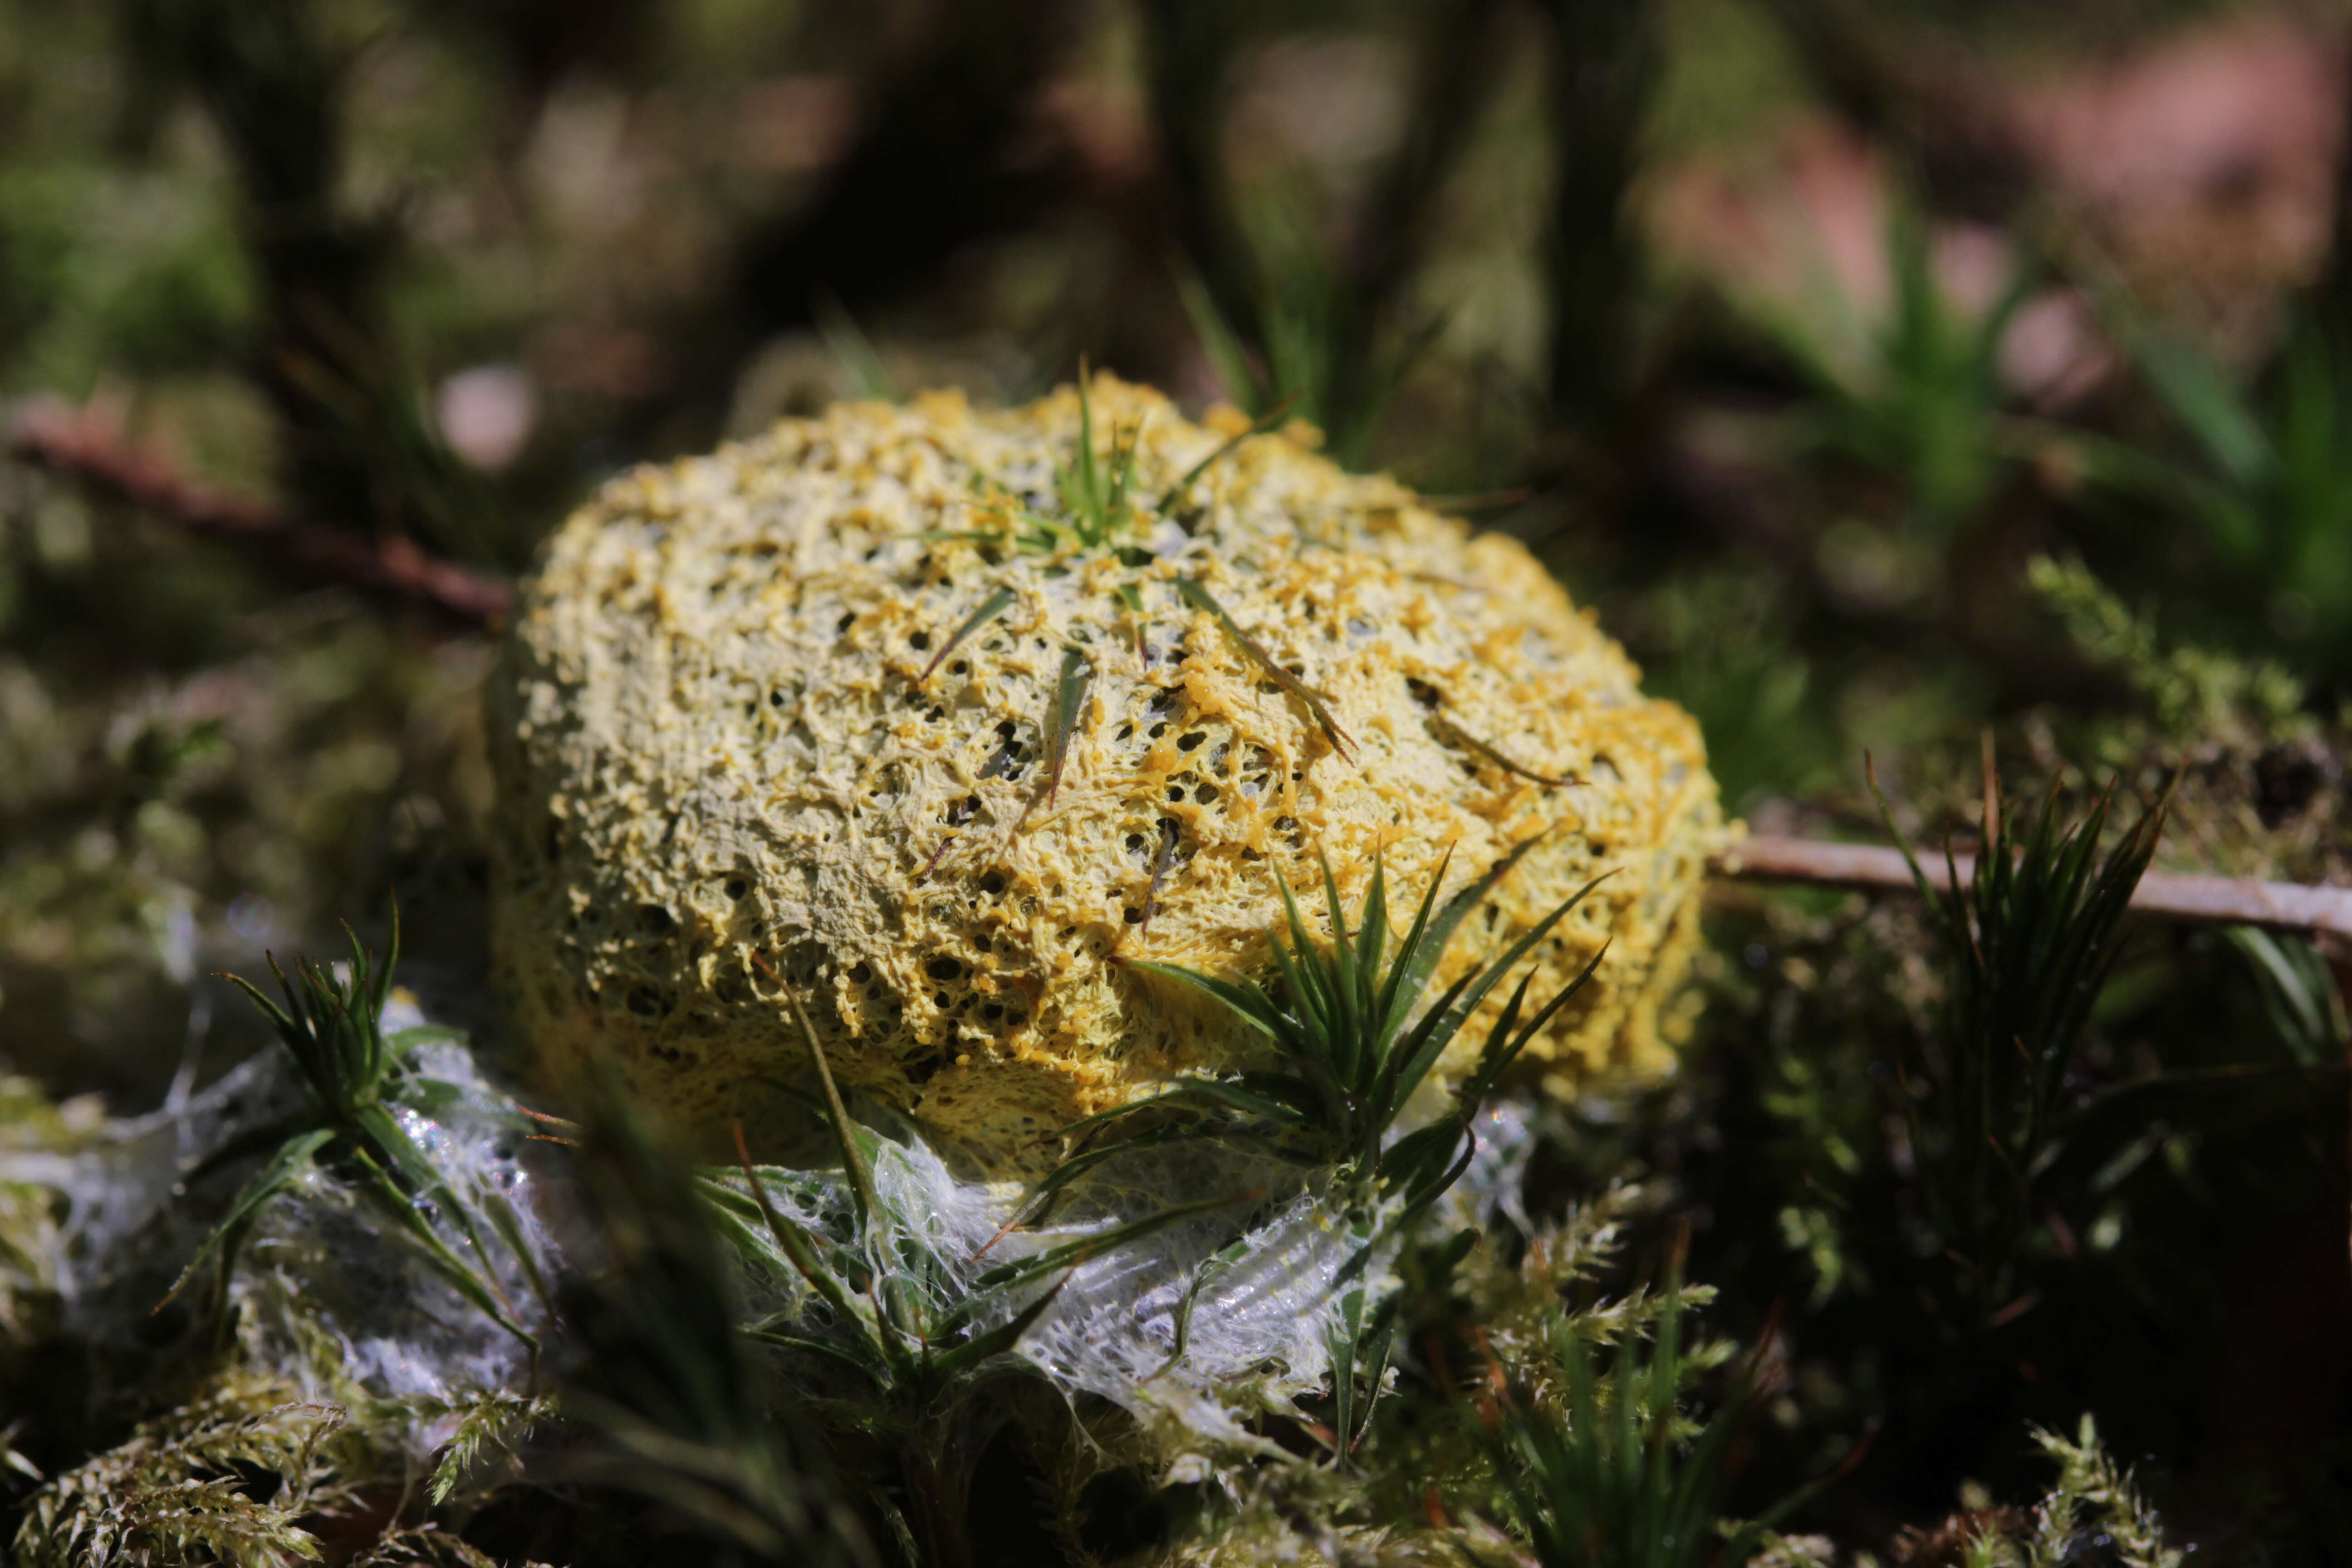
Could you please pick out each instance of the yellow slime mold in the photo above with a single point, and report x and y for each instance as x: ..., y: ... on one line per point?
x: 737, y: 750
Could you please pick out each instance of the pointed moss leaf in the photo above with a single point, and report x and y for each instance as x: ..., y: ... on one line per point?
x: 1455, y: 1016
x: 1455, y: 734
x: 1201, y: 599
x: 852, y: 350
x: 280, y: 1020
x: 1086, y: 1127
x: 781, y: 1241
x: 1347, y: 1063
x: 395, y: 1149
x: 995, y: 605
x: 1072, y: 1253
x: 493, y: 1421
x: 1069, y: 704
x: 1197, y: 1095
x: 1163, y: 862
x: 1440, y: 1264
x: 803, y: 1344
x: 801, y: 1251
x: 1095, y: 491
x: 1175, y: 495
x: 508, y: 1224
x: 330, y: 1026
x: 227, y: 1239
x: 1253, y: 1004
x: 1219, y: 341
x: 2200, y: 394
x: 431, y: 1097
x: 1057, y: 1180
x: 1344, y: 1337
x: 2031, y: 939
x: 1424, y: 1146
x: 1419, y: 959
x: 1421, y: 1195
x: 480, y: 1290
x: 468, y: 1223
x: 1358, y: 1341
x: 854, y: 1159
x: 1081, y: 489
x: 246, y: 1144
x: 1216, y: 1268
x: 998, y: 1341
x: 1505, y: 1045
x: 1614, y: 1459
x: 1115, y: 506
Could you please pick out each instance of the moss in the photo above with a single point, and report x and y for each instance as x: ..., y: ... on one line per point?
x: 238, y: 1476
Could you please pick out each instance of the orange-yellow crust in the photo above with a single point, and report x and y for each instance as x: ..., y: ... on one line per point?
x: 721, y: 767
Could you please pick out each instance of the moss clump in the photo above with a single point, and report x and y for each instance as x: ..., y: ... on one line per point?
x: 740, y: 744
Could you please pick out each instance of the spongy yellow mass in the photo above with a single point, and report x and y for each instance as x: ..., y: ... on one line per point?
x: 737, y: 753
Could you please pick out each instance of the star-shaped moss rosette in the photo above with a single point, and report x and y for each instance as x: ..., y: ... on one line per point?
x: 938, y: 717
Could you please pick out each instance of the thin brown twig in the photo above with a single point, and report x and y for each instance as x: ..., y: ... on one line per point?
x: 2231, y: 901
x: 2318, y: 911
x: 90, y: 446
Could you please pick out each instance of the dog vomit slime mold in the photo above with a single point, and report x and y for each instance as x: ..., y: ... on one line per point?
x: 918, y: 712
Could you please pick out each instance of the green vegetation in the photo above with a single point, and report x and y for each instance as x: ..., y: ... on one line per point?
x: 2028, y: 943
x: 1353, y: 1038
x: 366, y: 1097
x: 179, y: 1490
x: 1861, y: 367
x: 1608, y: 1477
x: 911, y: 1324
x: 666, y: 1380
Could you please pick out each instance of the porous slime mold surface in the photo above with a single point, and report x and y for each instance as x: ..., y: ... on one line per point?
x: 741, y: 749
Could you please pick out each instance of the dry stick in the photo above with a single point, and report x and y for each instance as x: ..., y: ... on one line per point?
x: 2324, y: 912
x: 57, y: 438
x: 2235, y: 900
